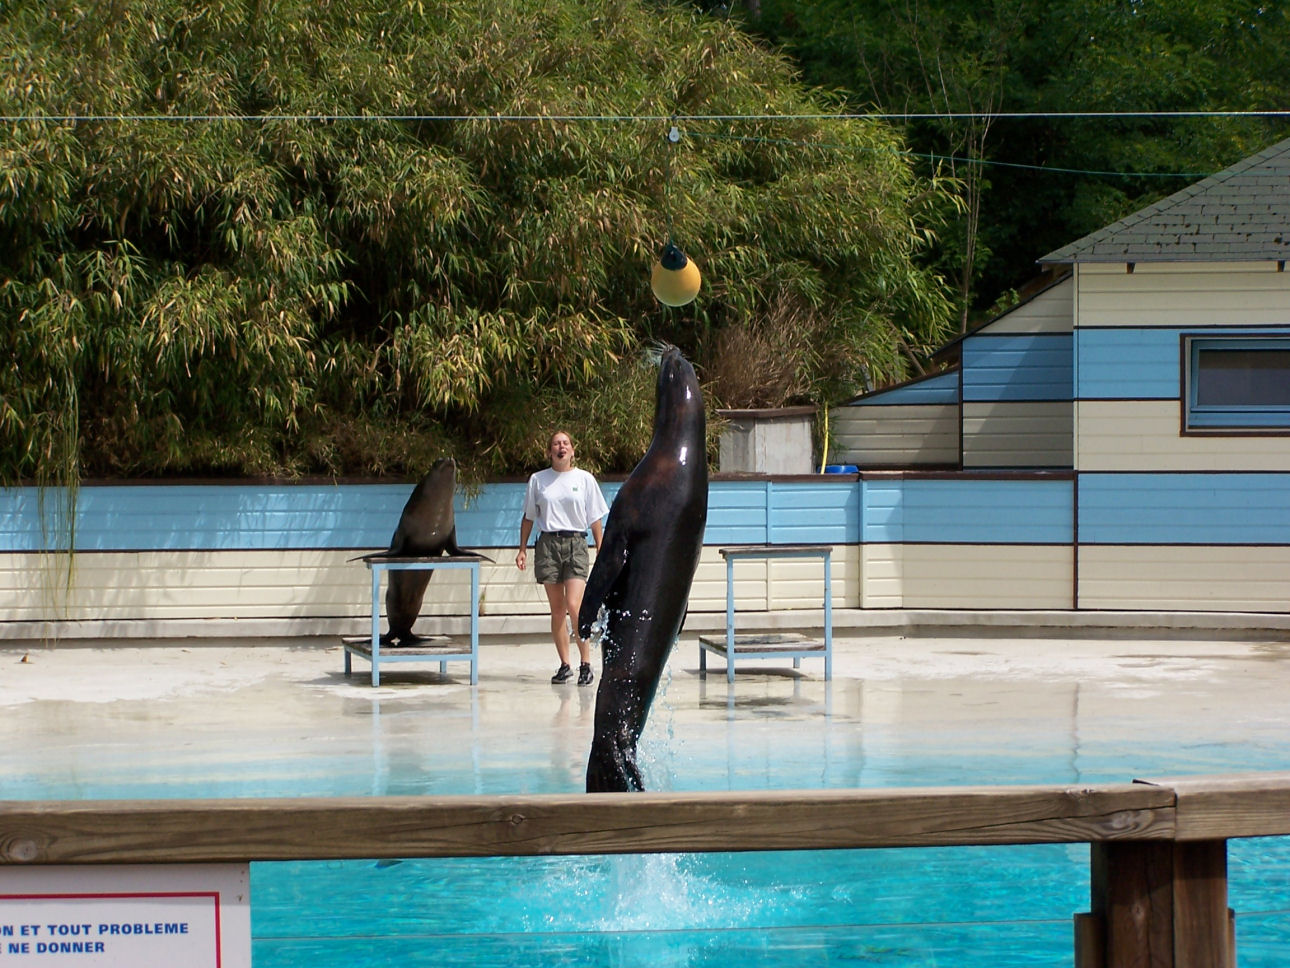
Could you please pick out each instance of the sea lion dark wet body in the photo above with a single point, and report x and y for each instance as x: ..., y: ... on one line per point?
x: 643, y: 573
x: 427, y: 528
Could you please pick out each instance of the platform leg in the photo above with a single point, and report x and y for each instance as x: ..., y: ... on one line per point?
x: 376, y: 625
x: 730, y: 621
x: 828, y: 615
x: 474, y: 624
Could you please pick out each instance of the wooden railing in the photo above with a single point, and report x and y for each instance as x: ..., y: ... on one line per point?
x: 1159, y: 847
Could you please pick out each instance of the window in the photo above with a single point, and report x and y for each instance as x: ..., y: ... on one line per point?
x: 1237, y: 383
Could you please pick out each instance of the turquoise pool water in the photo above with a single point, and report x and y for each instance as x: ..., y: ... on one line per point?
x: 965, y: 907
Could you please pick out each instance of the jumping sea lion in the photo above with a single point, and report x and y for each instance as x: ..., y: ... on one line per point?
x: 643, y: 572
x: 427, y: 528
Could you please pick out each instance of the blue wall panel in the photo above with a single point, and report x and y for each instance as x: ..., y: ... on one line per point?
x: 809, y: 513
x: 1035, y: 366
x: 1229, y: 508
x: 1139, y: 364
x: 736, y: 513
x: 938, y: 389
x: 968, y: 511
x: 209, y: 517
x: 363, y: 517
x: 1139, y: 508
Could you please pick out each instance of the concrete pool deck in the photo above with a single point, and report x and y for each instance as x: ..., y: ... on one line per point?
x: 1107, y: 708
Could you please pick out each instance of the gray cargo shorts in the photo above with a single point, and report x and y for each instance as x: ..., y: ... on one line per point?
x: 561, y: 555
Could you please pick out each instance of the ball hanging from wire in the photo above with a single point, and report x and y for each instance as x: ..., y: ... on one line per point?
x: 675, y: 278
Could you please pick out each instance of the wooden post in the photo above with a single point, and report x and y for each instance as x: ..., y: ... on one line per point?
x: 1090, y: 941
x: 1201, y: 917
x: 1160, y: 904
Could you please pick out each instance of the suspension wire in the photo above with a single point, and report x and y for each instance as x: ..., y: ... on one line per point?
x: 675, y: 119
x: 673, y: 136
x: 654, y: 118
x: 957, y: 159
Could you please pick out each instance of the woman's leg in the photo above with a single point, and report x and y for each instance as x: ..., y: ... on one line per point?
x: 555, y: 595
x: 572, y: 594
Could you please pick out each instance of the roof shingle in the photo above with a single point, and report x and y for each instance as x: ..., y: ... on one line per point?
x: 1241, y: 214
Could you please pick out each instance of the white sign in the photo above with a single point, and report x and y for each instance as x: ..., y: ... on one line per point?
x: 197, y: 916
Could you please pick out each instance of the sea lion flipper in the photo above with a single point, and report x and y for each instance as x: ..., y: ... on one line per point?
x: 454, y: 550
x: 610, y: 562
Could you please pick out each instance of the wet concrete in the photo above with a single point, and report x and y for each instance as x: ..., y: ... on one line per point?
x: 278, y: 717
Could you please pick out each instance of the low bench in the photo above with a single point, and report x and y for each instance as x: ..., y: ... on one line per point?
x: 437, y: 648
x: 770, y: 645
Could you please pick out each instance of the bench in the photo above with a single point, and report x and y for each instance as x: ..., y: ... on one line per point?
x: 770, y: 645
x: 437, y: 648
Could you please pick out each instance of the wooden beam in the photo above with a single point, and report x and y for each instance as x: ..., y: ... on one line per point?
x: 1235, y: 805
x: 193, y: 831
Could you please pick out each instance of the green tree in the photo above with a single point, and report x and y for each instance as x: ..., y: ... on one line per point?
x: 1035, y: 183
x: 323, y: 237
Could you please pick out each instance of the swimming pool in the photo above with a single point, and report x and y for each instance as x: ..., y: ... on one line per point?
x: 960, y: 719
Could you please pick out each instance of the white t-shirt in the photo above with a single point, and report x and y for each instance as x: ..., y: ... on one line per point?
x: 564, y: 501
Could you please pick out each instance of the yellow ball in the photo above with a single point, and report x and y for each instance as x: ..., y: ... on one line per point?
x: 674, y: 278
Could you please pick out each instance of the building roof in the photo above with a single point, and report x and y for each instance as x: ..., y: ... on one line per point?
x: 1241, y: 214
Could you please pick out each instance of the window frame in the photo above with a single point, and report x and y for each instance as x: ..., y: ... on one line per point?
x: 1233, y: 419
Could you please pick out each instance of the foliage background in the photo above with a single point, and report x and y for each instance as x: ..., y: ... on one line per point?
x: 243, y: 239
x: 1034, y: 183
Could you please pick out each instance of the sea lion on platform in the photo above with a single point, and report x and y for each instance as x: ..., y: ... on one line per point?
x: 427, y: 528
x: 643, y: 572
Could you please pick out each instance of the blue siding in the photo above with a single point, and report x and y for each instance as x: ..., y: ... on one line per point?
x: 212, y: 517
x: 809, y: 513
x: 1035, y: 366
x: 1229, y: 508
x: 1140, y: 364
x: 952, y: 511
x: 1142, y: 508
x: 938, y: 389
x: 1137, y: 363
x: 362, y: 517
x: 736, y: 513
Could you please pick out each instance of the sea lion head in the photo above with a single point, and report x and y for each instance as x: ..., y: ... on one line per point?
x: 678, y: 405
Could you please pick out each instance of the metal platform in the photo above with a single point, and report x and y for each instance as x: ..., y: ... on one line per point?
x: 438, y: 648
x: 770, y: 645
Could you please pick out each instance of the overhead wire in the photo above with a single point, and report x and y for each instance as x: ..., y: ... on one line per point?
x: 675, y: 119
x: 844, y: 116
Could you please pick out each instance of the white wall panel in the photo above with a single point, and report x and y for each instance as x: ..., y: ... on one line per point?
x: 1183, y: 294
x: 882, y: 575
x: 987, y: 576
x: 1018, y: 434
x: 1049, y: 312
x: 892, y: 436
x: 1200, y: 578
x: 1144, y: 435
x: 221, y: 585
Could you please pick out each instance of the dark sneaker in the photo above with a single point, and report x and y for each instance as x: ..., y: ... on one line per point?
x: 562, y: 674
x: 584, y: 674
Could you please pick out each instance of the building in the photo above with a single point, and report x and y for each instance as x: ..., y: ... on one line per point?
x: 1145, y: 392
